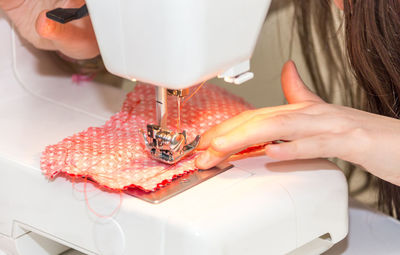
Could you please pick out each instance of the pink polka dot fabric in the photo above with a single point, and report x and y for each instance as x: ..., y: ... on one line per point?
x: 114, y: 154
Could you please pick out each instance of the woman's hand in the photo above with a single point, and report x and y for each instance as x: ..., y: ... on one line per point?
x: 313, y: 129
x: 75, y: 39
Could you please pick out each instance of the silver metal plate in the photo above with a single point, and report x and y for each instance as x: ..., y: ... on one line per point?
x: 178, y: 185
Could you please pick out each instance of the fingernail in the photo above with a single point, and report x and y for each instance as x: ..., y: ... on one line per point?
x: 219, y: 142
x: 203, y: 158
x: 272, y: 149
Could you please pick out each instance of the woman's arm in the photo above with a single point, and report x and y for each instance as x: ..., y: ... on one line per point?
x: 313, y: 128
x: 75, y: 39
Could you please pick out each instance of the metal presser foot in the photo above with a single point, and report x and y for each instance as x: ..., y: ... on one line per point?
x: 168, y: 146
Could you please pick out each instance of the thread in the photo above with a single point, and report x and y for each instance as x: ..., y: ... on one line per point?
x: 79, y: 190
x: 96, y: 213
x: 178, y: 125
x: 80, y: 78
x: 181, y: 104
x: 194, y: 93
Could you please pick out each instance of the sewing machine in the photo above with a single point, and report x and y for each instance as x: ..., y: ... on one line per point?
x: 173, y: 45
x: 258, y: 206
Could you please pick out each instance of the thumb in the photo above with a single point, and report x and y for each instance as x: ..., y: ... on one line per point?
x: 76, y: 41
x: 51, y: 29
x: 293, y: 87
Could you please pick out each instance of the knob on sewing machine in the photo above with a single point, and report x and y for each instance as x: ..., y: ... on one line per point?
x: 173, y: 45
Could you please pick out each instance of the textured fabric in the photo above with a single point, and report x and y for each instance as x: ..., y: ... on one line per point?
x: 114, y: 155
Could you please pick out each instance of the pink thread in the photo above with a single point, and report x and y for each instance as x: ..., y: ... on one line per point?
x: 96, y: 213
x: 80, y: 78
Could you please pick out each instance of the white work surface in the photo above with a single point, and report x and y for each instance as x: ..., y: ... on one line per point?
x: 370, y: 233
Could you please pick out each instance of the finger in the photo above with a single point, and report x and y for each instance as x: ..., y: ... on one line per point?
x: 294, y: 88
x: 296, y: 93
x: 210, y: 158
x: 263, y: 129
x: 320, y: 146
x: 226, y: 126
x: 75, y: 41
x: 238, y: 120
x: 258, y: 130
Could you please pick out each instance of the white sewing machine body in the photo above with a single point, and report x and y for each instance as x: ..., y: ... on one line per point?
x: 257, y: 207
x: 177, y: 44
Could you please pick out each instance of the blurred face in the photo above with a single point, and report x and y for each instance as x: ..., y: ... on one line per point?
x: 339, y: 4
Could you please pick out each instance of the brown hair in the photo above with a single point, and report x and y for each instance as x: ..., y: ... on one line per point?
x: 368, y: 73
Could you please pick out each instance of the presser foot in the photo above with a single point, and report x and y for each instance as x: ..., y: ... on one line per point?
x: 168, y: 146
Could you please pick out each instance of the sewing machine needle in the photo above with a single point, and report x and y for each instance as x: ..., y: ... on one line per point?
x: 179, y: 113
